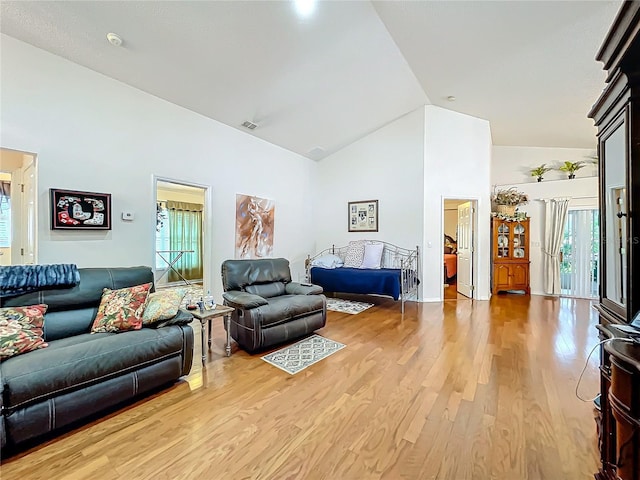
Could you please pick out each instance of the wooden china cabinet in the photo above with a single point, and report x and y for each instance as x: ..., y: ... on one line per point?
x: 617, y: 116
x: 510, y: 254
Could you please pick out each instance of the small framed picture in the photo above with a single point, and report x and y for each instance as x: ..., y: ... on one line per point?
x: 363, y: 216
x: 74, y: 210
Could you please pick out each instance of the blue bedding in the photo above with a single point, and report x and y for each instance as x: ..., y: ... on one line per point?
x: 385, y: 281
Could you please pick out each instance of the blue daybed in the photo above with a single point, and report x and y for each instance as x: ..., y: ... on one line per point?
x: 397, y: 276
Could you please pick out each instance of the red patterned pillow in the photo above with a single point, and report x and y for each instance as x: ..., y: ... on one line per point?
x: 121, y: 310
x: 21, y: 330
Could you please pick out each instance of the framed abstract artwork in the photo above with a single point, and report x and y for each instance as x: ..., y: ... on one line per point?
x: 363, y: 216
x: 254, y: 226
x: 74, y: 210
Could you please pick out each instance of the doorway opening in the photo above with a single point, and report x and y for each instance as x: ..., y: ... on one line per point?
x: 18, y: 208
x: 579, y: 254
x: 459, y: 227
x: 180, y: 233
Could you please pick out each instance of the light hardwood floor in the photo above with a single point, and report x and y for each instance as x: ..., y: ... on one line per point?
x: 454, y: 390
x: 450, y: 291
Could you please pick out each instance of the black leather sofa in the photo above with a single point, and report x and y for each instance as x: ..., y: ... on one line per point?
x: 80, y: 374
x: 269, y: 307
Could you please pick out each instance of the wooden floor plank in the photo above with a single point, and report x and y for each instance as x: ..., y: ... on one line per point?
x: 453, y: 390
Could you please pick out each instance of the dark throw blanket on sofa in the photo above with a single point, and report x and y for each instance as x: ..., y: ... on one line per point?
x: 21, y: 279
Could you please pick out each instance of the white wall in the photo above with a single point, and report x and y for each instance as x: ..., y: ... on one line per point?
x: 96, y: 134
x: 510, y: 168
x: 457, y: 165
x: 514, y: 164
x: 407, y: 165
x: 386, y: 165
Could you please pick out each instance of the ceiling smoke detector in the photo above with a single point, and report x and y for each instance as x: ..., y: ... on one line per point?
x: 249, y: 125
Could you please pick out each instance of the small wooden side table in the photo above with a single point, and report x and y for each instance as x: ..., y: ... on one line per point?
x: 205, y: 317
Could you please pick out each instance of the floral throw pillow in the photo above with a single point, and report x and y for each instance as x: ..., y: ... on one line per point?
x: 162, y: 305
x: 21, y: 330
x: 121, y: 310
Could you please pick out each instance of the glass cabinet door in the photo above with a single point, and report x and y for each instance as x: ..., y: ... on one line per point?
x: 503, y: 241
x: 519, y: 241
x: 615, y: 217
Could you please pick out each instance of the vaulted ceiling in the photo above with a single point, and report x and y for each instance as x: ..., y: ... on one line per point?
x: 315, y: 83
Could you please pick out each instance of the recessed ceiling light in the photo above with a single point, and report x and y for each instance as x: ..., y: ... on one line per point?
x: 114, y: 39
x: 451, y: 98
x: 304, y: 7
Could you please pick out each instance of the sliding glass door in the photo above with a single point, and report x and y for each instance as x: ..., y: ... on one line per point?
x: 579, y: 275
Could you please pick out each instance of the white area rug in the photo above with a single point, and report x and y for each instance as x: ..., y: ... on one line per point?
x: 347, y: 306
x: 302, y: 354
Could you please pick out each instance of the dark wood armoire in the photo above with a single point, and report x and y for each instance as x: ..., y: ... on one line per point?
x: 617, y: 116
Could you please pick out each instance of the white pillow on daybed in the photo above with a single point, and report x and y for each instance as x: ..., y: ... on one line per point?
x: 327, y: 261
x: 372, y: 255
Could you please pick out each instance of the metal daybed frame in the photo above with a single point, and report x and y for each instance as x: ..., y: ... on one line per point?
x: 393, y: 257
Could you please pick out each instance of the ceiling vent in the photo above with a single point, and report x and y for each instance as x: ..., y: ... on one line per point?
x: 249, y: 125
x: 316, y: 153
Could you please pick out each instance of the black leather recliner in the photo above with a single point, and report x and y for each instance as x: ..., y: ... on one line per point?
x: 269, y: 307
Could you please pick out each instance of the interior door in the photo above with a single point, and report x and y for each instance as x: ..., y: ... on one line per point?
x: 24, y: 194
x: 465, y: 249
x: 28, y: 240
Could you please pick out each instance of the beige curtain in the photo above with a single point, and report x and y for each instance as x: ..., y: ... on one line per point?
x: 555, y: 218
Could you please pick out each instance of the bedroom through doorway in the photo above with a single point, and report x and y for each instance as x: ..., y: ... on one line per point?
x: 459, y: 224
